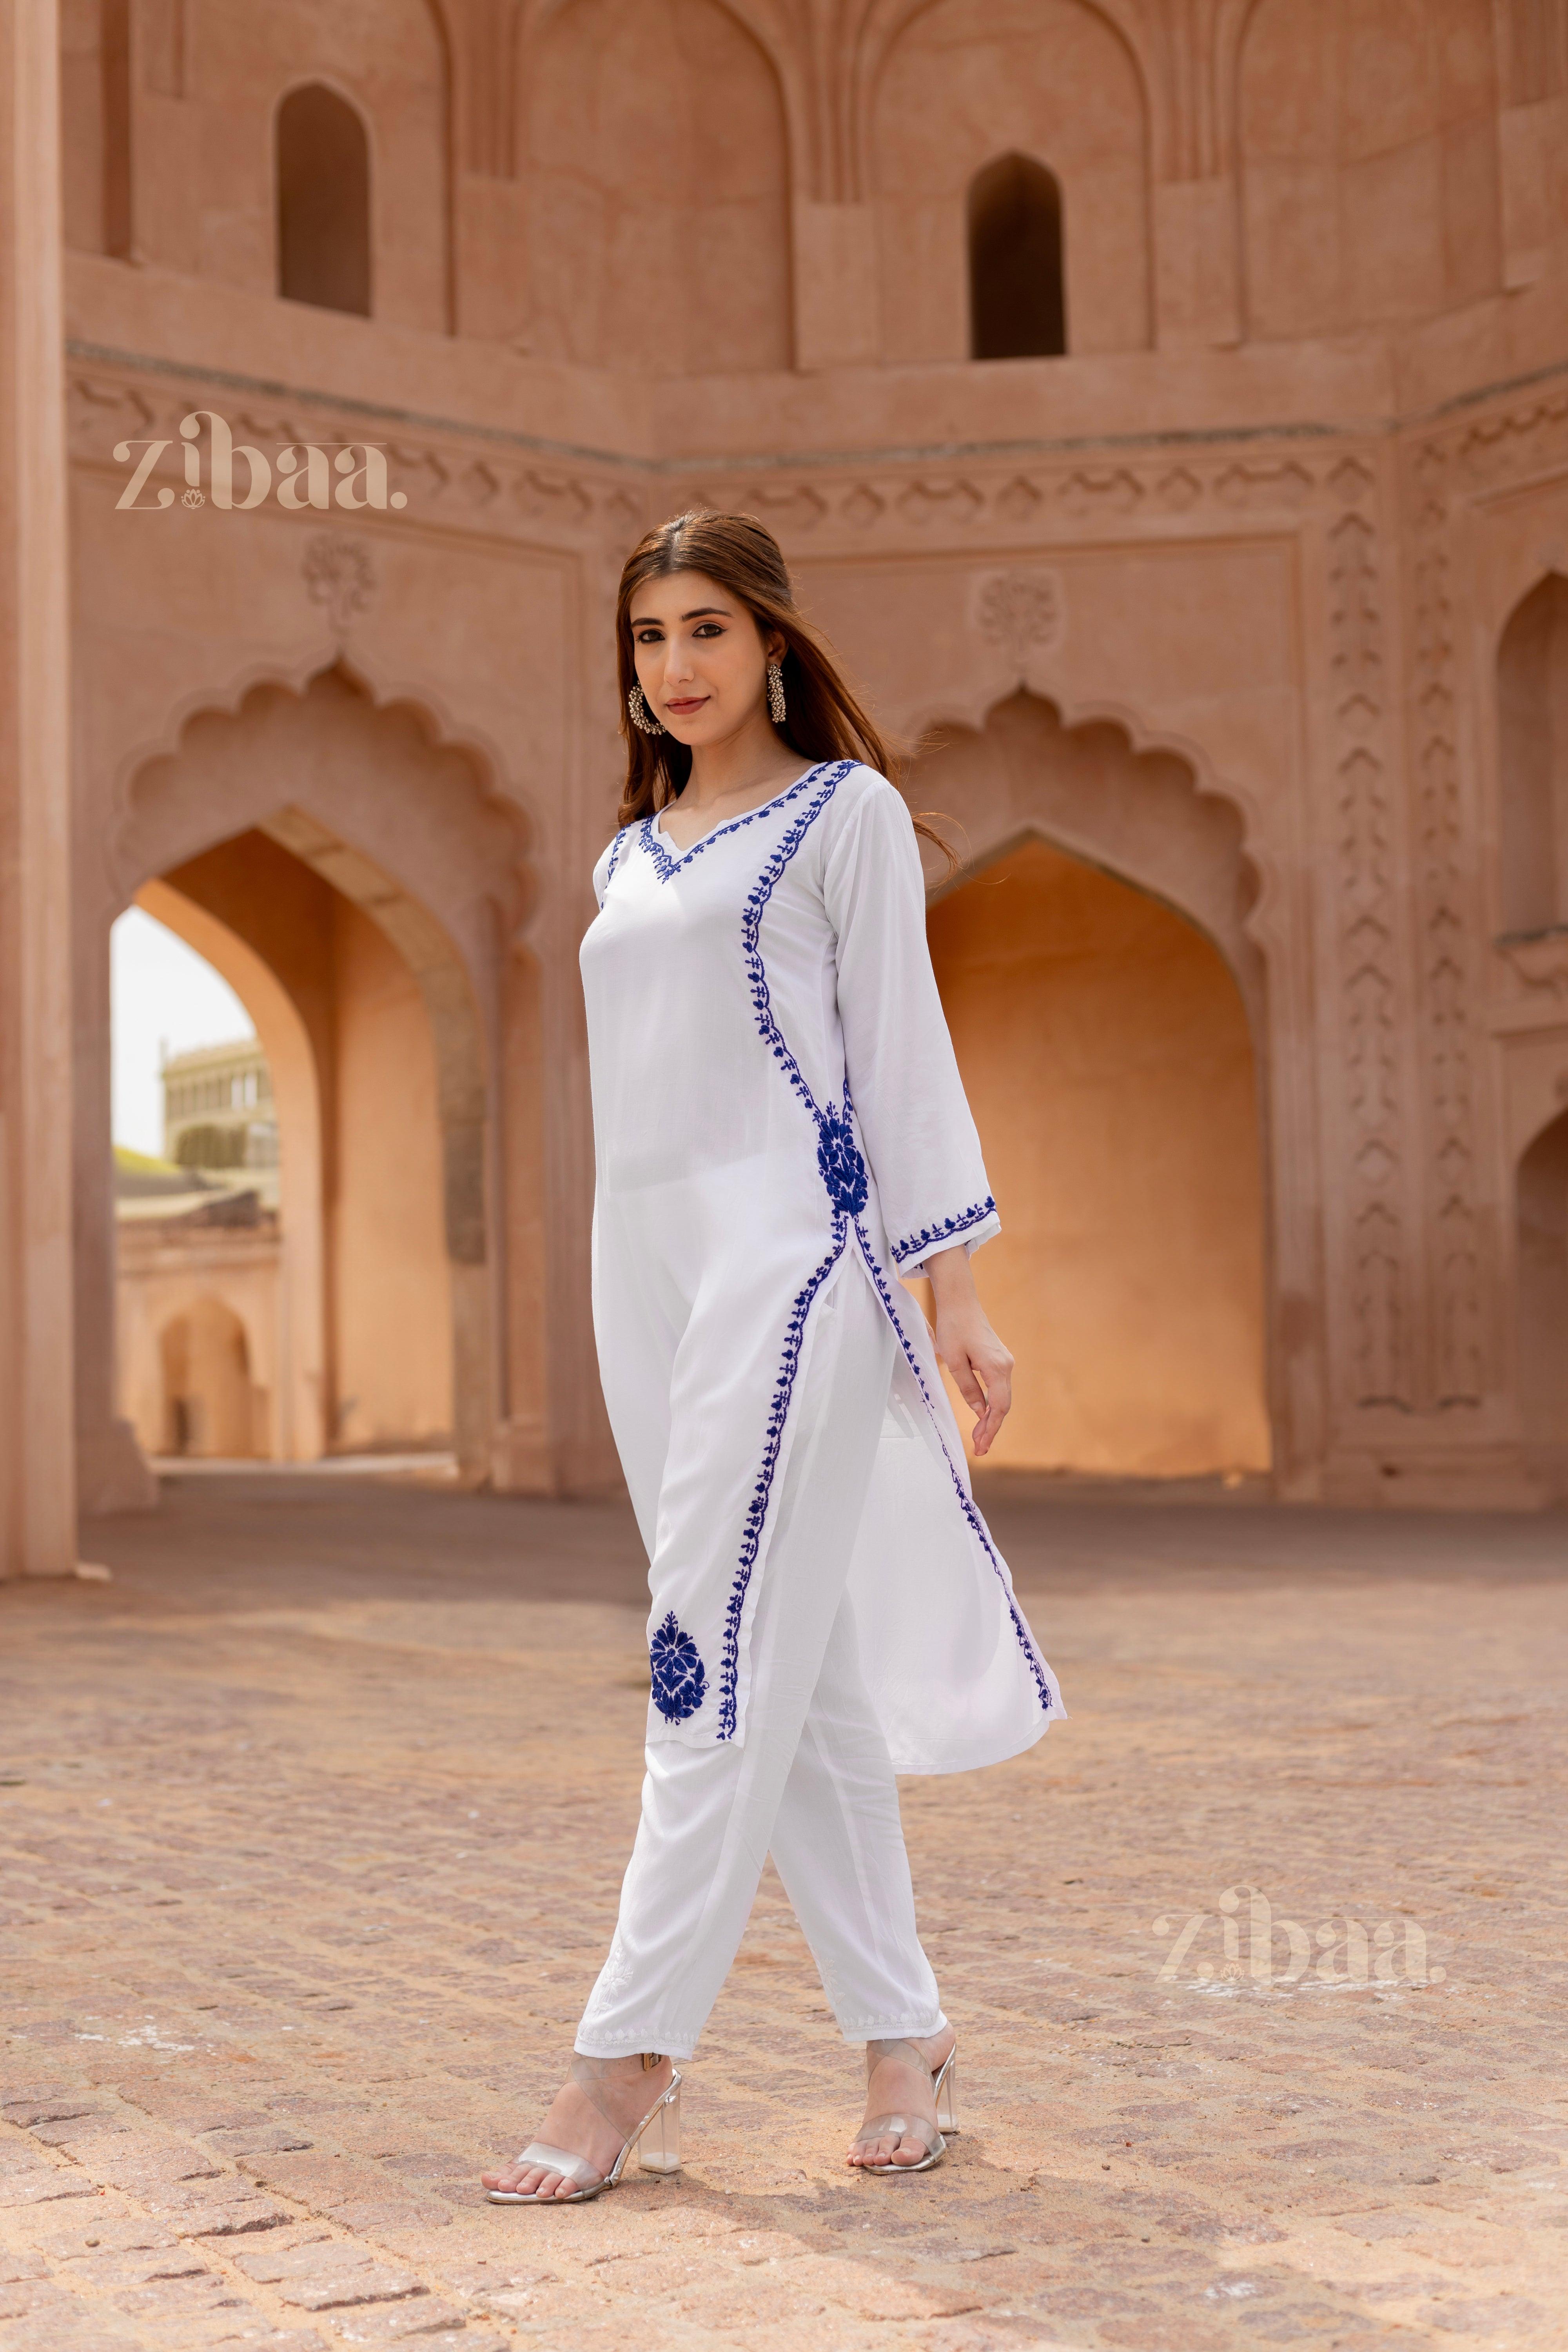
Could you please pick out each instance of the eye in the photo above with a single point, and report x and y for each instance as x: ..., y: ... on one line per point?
x: 708, y: 629
x: 647, y: 636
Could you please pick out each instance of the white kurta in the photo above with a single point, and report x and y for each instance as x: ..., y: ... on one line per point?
x: 777, y: 1110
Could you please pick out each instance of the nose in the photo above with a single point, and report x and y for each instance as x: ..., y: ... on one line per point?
x: 678, y: 667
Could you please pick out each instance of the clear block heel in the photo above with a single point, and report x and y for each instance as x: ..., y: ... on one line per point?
x: 658, y: 2144
x: 946, y: 2088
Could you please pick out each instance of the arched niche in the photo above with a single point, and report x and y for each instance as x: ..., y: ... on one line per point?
x: 1085, y: 789
x: 1108, y: 1008
x: 210, y: 1405
x: 655, y: 138
x: 1541, y: 1302
x: 96, y: 111
x: 1108, y: 1059
x: 1370, y: 175
x: 322, y: 179
x: 1018, y: 294
x: 267, y: 816
x: 1046, y: 78
x: 1532, y: 730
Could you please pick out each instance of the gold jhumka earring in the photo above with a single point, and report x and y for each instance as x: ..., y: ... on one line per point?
x: 641, y: 716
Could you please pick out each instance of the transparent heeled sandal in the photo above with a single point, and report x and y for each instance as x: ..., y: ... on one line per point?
x: 945, y: 2092
x: 656, y: 2141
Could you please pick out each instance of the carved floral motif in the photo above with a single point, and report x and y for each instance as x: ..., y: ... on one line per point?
x: 339, y: 573
x: 1021, y: 612
x: 1368, y: 992
x: 1446, y: 987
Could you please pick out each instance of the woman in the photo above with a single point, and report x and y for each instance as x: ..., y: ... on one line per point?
x: 781, y: 1134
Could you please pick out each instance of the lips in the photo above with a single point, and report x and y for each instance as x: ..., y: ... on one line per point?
x: 683, y: 708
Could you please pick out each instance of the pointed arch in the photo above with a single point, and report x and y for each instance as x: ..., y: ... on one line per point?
x: 1017, y: 290
x: 1540, y: 1296
x: 322, y: 184
x: 1027, y: 787
x: 409, y: 828
x: 1532, y: 761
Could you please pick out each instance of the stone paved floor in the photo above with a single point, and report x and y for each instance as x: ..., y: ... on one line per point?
x: 312, y: 1819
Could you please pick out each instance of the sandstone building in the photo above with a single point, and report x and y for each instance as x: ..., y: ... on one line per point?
x: 198, y: 1302
x: 1166, y: 410
x: 218, y: 1109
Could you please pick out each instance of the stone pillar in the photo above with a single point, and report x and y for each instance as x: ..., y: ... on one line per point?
x: 38, y: 1464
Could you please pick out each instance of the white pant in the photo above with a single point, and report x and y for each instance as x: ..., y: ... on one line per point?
x: 812, y: 1781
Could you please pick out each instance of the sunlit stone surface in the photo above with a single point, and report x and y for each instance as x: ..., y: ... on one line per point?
x: 313, y: 1824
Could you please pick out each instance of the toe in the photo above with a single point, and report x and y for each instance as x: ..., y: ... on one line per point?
x: 516, y: 2181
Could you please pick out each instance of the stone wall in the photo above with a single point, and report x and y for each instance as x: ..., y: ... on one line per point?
x: 1260, y: 532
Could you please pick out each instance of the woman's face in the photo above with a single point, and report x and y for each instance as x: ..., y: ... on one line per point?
x: 701, y: 657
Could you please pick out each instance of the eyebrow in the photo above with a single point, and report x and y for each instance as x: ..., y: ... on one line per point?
x: 697, y: 613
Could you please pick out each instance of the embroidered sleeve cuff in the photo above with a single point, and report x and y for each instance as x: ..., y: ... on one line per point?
x: 971, y: 1226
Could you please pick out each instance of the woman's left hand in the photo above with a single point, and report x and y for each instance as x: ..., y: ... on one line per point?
x: 967, y: 1345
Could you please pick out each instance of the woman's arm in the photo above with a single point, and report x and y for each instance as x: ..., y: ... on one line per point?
x: 967, y: 1345
x: 915, y: 1122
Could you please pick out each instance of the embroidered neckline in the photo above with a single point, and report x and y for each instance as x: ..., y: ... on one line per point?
x: 667, y: 863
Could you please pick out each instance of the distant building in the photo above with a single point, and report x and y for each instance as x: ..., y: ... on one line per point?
x: 197, y: 1260
x: 218, y: 1113
x: 198, y: 1252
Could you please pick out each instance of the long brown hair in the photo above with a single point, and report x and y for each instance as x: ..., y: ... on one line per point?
x: 825, y: 718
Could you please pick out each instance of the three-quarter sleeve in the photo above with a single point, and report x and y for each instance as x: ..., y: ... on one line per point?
x: 914, y: 1118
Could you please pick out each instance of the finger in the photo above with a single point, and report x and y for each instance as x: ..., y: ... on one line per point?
x: 969, y: 1387
x: 996, y: 1405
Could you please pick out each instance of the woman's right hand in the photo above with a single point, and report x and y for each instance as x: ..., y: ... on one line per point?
x: 981, y: 1366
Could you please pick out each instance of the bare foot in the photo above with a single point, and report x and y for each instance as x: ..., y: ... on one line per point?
x: 595, y: 2133
x: 897, y: 2087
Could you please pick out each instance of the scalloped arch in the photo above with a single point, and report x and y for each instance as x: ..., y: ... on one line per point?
x: 404, y: 820
x: 1140, y: 810
x: 418, y: 709
x: 972, y: 713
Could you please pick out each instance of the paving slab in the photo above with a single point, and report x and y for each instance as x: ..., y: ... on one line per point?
x: 312, y: 1821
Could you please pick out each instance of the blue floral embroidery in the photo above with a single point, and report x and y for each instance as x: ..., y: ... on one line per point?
x: 653, y: 840
x: 762, y: 891
x: 844, y: 1173
x: 839, y: 1158
x: 680, y: 1683
x: 616, y: 847
x: 966, y: 1501
x: 757, y: 1508
x: 932, y: 1236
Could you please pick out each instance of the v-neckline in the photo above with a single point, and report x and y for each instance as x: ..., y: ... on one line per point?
x: 669, y: 859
